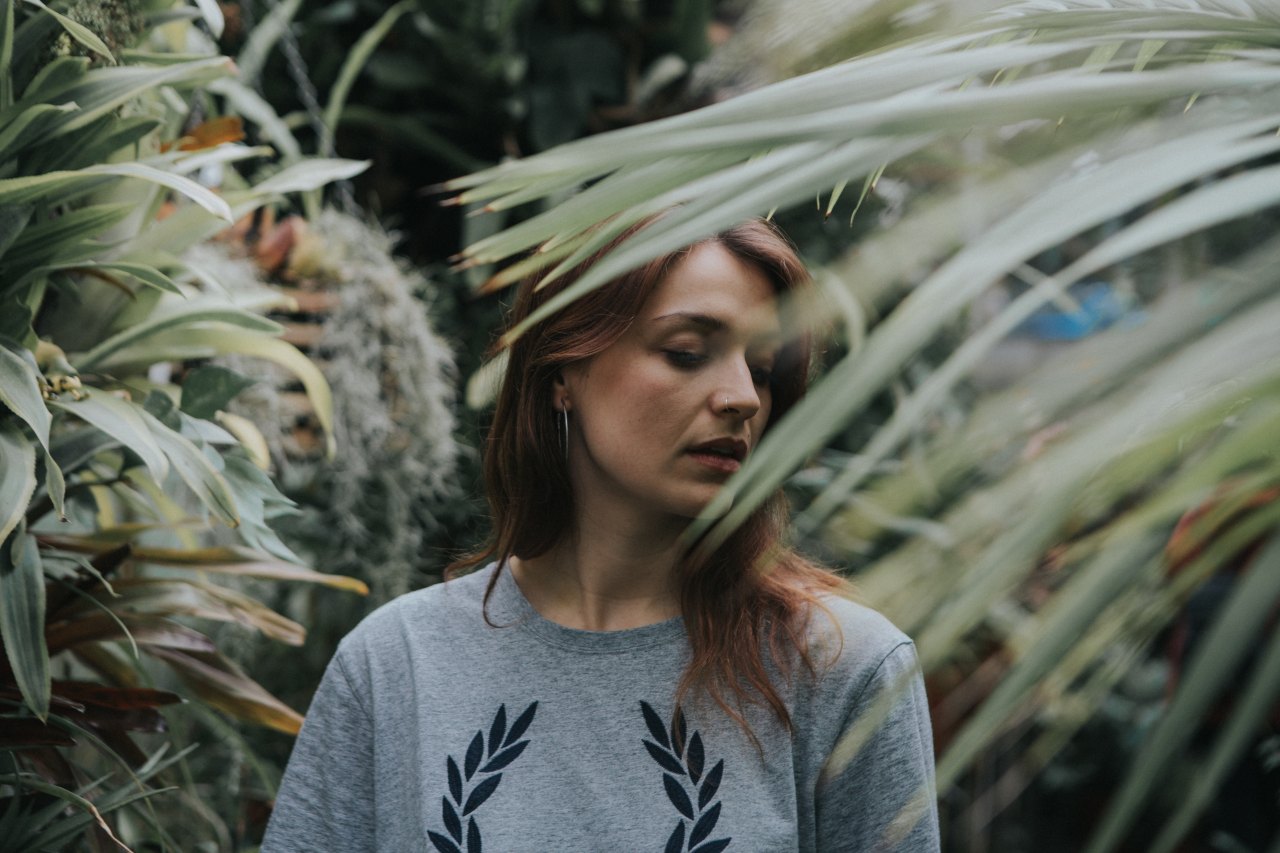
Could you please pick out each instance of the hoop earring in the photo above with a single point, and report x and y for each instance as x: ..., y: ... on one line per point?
x: 562, y: 432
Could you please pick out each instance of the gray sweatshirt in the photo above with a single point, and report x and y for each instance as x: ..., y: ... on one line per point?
x: 433, y: 730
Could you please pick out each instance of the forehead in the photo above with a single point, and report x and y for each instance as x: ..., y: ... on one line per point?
x: 713, y: 282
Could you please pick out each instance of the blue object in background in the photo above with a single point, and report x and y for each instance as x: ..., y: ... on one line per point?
x: 1099, y: 308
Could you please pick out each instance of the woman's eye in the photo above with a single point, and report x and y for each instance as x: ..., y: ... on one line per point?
x: 684, y: 359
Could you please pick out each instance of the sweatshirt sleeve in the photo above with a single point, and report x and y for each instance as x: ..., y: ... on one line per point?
x: 885, y: 799
x: 325, y: 800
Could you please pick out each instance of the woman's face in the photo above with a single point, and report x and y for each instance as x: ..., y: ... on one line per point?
x: 663, y: 417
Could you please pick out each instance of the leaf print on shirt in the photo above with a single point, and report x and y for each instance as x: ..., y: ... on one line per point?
x: 475, y: 780
x: 682, y: 756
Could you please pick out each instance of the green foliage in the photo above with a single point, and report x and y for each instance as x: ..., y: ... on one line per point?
x: 113, y: 479
x: 1021, y: 537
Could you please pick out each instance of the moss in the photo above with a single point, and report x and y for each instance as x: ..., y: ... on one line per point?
x: 119, y: 23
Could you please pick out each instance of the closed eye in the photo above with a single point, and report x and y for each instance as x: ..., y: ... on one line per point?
x: 684, y: 359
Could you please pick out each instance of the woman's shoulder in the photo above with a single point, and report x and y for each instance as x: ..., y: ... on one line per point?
x: 441, y: 610
x: 865, y: 627
x: 853, y: 645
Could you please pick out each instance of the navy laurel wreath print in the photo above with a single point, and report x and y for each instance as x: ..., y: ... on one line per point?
x: 693, y: 794
x: 478, y: 778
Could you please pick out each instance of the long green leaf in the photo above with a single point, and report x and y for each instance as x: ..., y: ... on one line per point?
x: 42, y: 243
x: 22, y: 619
x: 262, y: 39
x: 20, y: 392
x: 190, y: 315
x: 351, y: 67
x: 1235, y: 629
x: 1055, y: 215
x: 190, y: 225
x: 103, y: 90
x: 205, y: 342
x: 1065, y: 620
x: 65, y: 185
x: 33, y: 121
x: 17, y: 476
x: 78, y: 31
x: 309, y: 174
x: 1255, y: 704
x: 220, y: 683
x: 6, y: 55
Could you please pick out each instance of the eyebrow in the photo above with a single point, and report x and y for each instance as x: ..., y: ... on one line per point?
x: 702, y: 321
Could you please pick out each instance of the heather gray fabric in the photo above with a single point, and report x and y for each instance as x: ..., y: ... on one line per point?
x: 434, y: 731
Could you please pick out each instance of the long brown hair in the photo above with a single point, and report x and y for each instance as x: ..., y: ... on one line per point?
x: 754, y: 592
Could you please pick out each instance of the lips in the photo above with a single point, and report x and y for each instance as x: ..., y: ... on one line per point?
x: 721, y: 454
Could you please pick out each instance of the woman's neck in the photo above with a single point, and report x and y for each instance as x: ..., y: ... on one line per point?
x: 607, y: 580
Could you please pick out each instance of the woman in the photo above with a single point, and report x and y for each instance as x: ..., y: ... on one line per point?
x: 599, y: 684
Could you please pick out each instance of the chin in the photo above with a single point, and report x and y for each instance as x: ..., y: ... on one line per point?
x: 692, y: 505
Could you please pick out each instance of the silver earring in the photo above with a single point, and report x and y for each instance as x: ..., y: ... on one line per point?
x: 562, y: 430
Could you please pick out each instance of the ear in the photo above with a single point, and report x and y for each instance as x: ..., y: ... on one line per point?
x: 560, y: 393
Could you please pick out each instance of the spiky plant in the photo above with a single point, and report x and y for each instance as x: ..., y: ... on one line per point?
x: 114, y: 480
x: 1117, y: 125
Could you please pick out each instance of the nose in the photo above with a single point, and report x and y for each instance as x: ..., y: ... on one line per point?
x: 735, y: 395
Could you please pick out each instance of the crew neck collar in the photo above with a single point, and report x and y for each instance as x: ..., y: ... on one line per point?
x: 509, y: 606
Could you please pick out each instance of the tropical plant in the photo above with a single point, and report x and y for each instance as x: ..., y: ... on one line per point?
x: 124, y: 491
x: 427, y: 89
x: 1021, y: 538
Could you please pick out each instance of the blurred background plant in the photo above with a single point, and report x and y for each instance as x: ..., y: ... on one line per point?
x: 126, y: 487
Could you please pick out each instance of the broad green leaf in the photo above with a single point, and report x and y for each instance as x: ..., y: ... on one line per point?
x: 20, y: 390
x: 209, y: 388
x: 206, y: 342
x: 1232, y: 635
x: 228, y: 152
x: 17, y: 476
x: 194, y: 469
x: 259, y: 501
x: 186, y: 316
x: 122, y: 420
x: 161, y: 405
x: 310, y: 174
x: 78, y: 31
x: 22, y: 618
